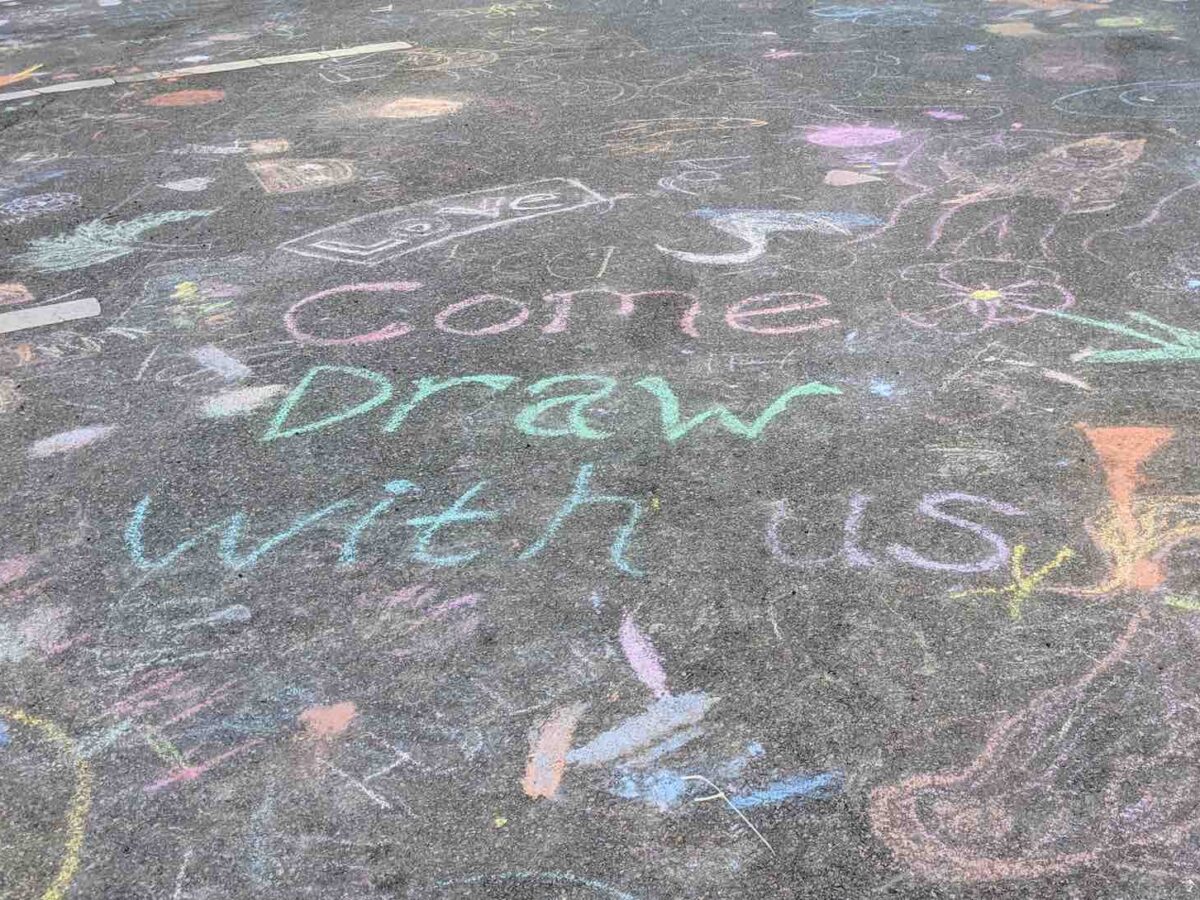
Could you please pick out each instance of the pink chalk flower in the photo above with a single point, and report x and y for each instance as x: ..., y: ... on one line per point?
x: 973, y: 295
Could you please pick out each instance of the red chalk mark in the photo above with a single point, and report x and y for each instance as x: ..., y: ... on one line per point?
x: 327, y: 721
x: 548, y: 752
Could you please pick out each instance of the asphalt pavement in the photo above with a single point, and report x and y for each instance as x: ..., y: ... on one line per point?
x: 623, y: 449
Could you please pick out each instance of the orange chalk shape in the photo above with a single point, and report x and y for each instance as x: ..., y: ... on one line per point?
x: 324, y: 722
x: 1122, y: 452
x: 17, y: 77
x: 548, y: 752
x: 186, y: 98
x: 417, y: 108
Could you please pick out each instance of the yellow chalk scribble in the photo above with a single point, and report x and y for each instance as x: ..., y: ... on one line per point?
x: 1191, y: 604
x: 1022, y: 586
x: 17, y: 77
x: 81, y: 799
x: 1136, y: 533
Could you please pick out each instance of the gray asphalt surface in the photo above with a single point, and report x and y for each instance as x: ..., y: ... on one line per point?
x: 599, y: 450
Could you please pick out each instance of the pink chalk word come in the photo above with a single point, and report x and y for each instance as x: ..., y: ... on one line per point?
x: 489, y: 315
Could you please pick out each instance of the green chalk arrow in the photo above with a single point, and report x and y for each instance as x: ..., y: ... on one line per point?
x: 1183, y: 346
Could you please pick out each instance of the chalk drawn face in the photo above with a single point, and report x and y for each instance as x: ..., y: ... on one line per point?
x: 971, y: 296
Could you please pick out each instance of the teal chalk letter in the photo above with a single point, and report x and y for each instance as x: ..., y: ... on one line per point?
x: 135, y: 533
x: 526, y: 421
x: 395, y: 489
x: 383, y: 393
x: 233, y: 535
x: 583, y: 496
x: 427, y: 387
x: 428, y: 527
x: 674, y: 428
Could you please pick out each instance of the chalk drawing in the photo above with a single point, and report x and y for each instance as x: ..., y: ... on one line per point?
x: 663, y: 717
x: 754, y: 227
x: 643, y: 658
x: 1135, y: 533
x: 75, y: 823
x: 97, y: 242
x: 374, y: 238
x: 972, y: 295
x: 1179, y: 345
x: 288, y: 176
x: 1015, y: 812
x: 1164, y: 101
x: 1023, y: 585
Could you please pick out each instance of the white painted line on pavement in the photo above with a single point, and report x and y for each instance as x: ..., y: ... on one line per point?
x: 51, y: 314
x: 256, y: 62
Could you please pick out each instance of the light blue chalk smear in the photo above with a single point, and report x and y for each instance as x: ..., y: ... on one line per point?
x: 663, y: 717
x: 983, y: 77
x: 670, y: 745
x: 3, y: 734
x: 664, y: 788
x: 1193, y: 283
x: 881, y: 388
x: 734, y: 767
x: 818, y: 786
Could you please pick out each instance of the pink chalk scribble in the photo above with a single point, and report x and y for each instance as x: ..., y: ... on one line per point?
x: 946, y: 115
x: 1097, y: 773
x: 850, y: 136
x: 643, y: 658
x: 181, y: 774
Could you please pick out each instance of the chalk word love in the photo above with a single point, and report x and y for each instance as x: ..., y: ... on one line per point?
x: 421, y: 548
x: 932, y: 506
x: 487, y: 315
x: 372, y: 239
x: 534, y: 419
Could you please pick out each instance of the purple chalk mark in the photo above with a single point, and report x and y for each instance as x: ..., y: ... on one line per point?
x: 852, y: 136
x: 642, y: 656
x: 69, y: 440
